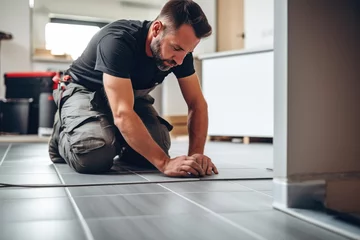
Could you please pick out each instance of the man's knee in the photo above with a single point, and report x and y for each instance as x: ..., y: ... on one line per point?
x: 94, y: 160
x: 91, y: 146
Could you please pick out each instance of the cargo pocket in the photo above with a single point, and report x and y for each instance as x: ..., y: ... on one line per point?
x: 84, y: 135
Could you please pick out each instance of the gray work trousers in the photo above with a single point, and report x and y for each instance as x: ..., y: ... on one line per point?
x: 88, y: 140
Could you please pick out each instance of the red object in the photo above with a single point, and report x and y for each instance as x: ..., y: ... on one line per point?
x: 56, y: 80
x: 50, y: 98
x: 29, y: 74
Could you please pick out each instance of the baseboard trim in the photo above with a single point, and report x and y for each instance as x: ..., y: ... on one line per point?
x: 305, y: 194
x: 338, y: 228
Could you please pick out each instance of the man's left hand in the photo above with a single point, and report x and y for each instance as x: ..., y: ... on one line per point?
x: 205, y: 162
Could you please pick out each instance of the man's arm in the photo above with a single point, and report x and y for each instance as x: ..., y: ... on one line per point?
x: 120, y: 95
x: 197, y: 115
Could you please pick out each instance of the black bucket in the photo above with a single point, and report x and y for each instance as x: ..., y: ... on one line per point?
x: 14, y: 115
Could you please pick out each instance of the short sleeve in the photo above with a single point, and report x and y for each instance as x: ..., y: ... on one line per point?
x: 114, y: 57
x: 186, y: 68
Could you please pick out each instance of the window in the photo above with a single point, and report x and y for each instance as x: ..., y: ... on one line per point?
x: 68, y: 38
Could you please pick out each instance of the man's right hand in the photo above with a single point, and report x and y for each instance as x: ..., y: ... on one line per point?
x: 182, y: 166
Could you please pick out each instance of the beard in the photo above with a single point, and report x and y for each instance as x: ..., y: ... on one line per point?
x: 159, y: 61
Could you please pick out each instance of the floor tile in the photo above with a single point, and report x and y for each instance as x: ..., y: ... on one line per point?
x: 25, y: 157
x: 64, y: 168
x: 41, y: 230
x: 24, y: 210
x: 76, y: 178
x: 259, y: 185
x: 269, y: 193
x: 135, y: 205
x: 203, y: 187
x: 19, y: 169
x: 240, y: 173
x: 116, y: 190
x: 228, y: 202
x: 44, y: 178
x: 162, y: 177
x: 175, y: 227
x: 331, y: 221
x: 26, y: 162
x: 274, y: 225
x: 24, y: 193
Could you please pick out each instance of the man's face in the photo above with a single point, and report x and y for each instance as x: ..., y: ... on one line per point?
x: 170, y: 48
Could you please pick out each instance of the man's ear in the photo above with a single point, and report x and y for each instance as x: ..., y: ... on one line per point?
x: 157, y: 28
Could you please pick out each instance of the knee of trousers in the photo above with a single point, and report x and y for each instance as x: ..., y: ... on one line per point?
x: 97, y: 160
x: 92, y: 147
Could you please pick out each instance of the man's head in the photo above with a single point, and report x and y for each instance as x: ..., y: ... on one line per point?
x: 176, y: 32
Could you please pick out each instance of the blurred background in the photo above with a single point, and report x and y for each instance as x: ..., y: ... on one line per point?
x: 47, y: 35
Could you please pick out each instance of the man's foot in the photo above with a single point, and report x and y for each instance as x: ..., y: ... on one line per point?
x: 54, y: 142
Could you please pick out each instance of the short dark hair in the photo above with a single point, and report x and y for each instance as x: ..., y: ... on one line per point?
x: 180, y: 12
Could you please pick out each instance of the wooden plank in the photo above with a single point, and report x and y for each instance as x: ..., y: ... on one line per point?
x: 179, y: 130
x: 176, y: 120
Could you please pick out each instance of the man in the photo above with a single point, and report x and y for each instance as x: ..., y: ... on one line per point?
x: 105, y: 109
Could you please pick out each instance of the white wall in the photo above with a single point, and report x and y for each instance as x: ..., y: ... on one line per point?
x: 259, y: 23
x: 173, y: 101
x: 15, y: 54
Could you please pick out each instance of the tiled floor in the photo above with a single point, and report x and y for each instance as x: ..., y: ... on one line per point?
x: 223, y: 208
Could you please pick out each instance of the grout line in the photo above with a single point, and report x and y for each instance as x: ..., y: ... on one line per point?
x: 6, y: 152
x: 224, y: 219
x: 257, y: 191
x: 83, y: 223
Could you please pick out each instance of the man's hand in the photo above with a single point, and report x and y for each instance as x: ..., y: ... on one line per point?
x: 182, y: 166
x: 206, y: 164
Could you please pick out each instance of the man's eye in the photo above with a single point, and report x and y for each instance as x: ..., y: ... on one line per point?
x: 176, y: 49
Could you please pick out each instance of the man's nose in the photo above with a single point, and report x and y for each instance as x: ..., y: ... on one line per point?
x: 179, y: 58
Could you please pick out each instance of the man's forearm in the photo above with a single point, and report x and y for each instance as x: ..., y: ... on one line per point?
x: 137, y: 136
x: 197, y: 127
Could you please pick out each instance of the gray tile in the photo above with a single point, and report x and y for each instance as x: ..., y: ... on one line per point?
x: 23, y: 193
x: 274, y: 225
x: 41, y: 230
x: 64, y: 168
x: 162, y: 177
x: 37, y: 209
x: 240, y: 173
x: 27, y: 161
x: 269, y: 193
x: 116, y: 190
x: 175, y: 227
x: 18, y: 169
x: 203, y: 187
x: 76, y: 178
x: 26, y: 157
x: 135, y: 205
x: 259, y: 185
x: 330, y: 221
x: 44, y: 178
x: 227, y: 202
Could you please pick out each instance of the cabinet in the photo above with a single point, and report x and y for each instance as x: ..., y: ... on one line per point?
x: 239, y: 89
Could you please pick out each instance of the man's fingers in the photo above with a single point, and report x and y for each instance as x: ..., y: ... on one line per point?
x: 209, y: 171
x: 215, y: 169
x: 189, y: 169
x: 196, y: 166
x: 205, y: 164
